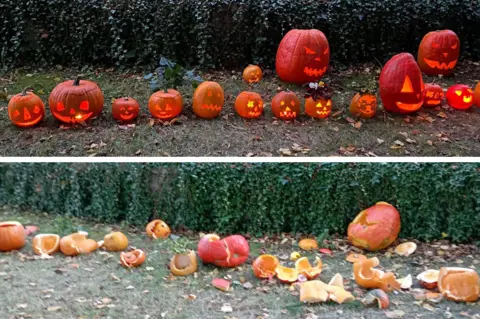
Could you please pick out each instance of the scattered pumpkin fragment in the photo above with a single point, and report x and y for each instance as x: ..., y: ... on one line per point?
x: 184, y: 264
x: 459, y: 284
x: 134, y: 258
x: 429, y: 278
x: 406, y: 249
x: 303, y: 267
x: 378, y: 297
x: 46, y: 244
x: 264, y: 266
x: 308, y: 244
x: 221, y: 284
x: 367, y: 276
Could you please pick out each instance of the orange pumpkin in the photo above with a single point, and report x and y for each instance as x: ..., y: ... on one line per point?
x: 208, y: 100
x: 134, y: 258
x: 375, y: 228
x: 184, y: 264
x: 125, y: 109
x: 433, y: 95
x: 459, y: 284
x: 115, y: 241
x: 77, y: 243
x: 320, y: 108
x: 249, y: 105
x: 285, y: 106
x: 367, y: 276
x: 477, y: 95
x: 364, y: 105
x: 460, y: 97
x: 76, y: 101
x: 229, y: 252
x: 46, y: 244
x: 26, y: 109
x: 264, y: 266
x: 439, y: 52
x: 252, y: 74
x: 12, y: 236
x: 165, y: 105
x: 158, y: 229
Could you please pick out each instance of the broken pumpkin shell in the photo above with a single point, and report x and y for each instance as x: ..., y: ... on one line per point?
x: 158, y: 229
x: 221, y: 284
x: 46, y: 244
x: 406, y: 249
x: 308, y: 244
x: 295, y: 255
x: 459, y: 284
x: 115, y: 241
x: 313, y: 292
x: 339, y: 294
x: 133, y: 258
x: 337, y: 280
x: 355, y: 258
x: 184, y: 264
x: 367, y: 276
x: 378, y: 297
x: 77, y: 243
x: 405, y: 282
x: 429, y: 278
x: 264, y: 266
x: 286, y: 274
x: 303, y: 267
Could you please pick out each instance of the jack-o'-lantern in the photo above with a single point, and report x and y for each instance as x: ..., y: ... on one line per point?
x: 320, y: 108
x: 401, y: 84
x: 249, y: 105
x: 364, y: 105
x: 375, y: 228
x: 229, y: 252
x: 252, y: 74
x: 184, y: 264
x: 367, y: 276
x: 115, y: 241
x: 12, y: 236
x: 285, y: 105
x: 477, y: 95
x: 459, y: 284
x: 302, y: 56
x: 26, y: 109
x: 439, y: 52
x: 208, y: 100
x: 134, y: 258
x: 77, y: 243
x: 158, y: 229
x: 433, y: 95
x: 46, y: 244
x: 125, y: 109
x: 76, y: 101
x: 165, y: 104
x: 460, y: 97
x: 264, y: 266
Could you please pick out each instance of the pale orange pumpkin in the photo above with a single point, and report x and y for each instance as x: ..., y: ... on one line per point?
x: 459, y: 284
x: 12, y: 236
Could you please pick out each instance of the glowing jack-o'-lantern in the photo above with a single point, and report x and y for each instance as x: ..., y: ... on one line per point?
x: 76, y: 101
x: 302, y: 56
x: 460, y: 97
x: 165, y: 104
x: 208, y: 100
x: 249, y: 105
x: 285, y: 105
x: 433, y: 95
x: 439, y: 52
x: 125, y: 109
x: 364, y: 105
x: 26, y: 109
x: 320, y: 108
x: 252, y: 74
x: 401, y: 84
x: 477, y: 95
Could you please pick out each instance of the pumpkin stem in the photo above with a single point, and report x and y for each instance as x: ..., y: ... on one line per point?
x: 76, y: 82
x: 25, y: 90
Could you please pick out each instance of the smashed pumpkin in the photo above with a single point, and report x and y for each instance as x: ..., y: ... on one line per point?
x: 134, y: 258
x: 115, y: 241
x: 317, y: 291
x: 12, y: 236
x: 303, y: 267
x: 158, y: 229
x: 184, y: 264
x: 429, y: 278
x: 459, y: 284
x: 367, y: 276
x: 229, y: 252
x: 406, y: 249
x: 77, y: 243
x: 378, y: 297
x: 308, y: 244
x: 46, y: 244
x: 286, y: 274
x: 264, y: 266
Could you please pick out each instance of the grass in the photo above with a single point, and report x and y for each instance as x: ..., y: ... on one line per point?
x: 96, y: 286
x: 434, y: 132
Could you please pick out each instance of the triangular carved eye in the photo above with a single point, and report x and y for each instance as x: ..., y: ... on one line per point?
x: 458, y: 92
x: 36, y: 109
x: 329, y: 103
x: 309, y: 51
x: 455, y: 46
x: 407, y: 85
x: 16, y: 113
x: 319, y: 104
x: 60, y: 107
x: 84, y: 106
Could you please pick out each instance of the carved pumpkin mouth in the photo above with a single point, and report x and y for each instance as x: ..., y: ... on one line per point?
x: 127, y: 116
x: 467, y: 99
x: 212, y: 107
x: 323, y: 112
x: 27, y: 117
x: 163, y: 114
x: 314, y: 72
x: 74, y: 118
x: 434, y: 102
x: 440, y: 65
x: 368, y: 110
x: 288, y: 114
x: 409, y: 106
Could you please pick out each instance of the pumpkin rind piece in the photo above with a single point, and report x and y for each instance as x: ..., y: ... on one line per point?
x: 303, y: 267
x: 133, y: 258
x: 46, y: 244
x: 77, y: 243
x: 367, y: 276
x: 429, y: 278
x: 313, y: 292
x: 308, y: 244
x: 264, y: 266
x: 286, y: 275
x: 459, y: 284
x: 406, y: 249
x: 184, y: 264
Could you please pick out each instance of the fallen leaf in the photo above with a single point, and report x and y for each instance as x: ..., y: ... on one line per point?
x: 326, y: 251
x: 380, y: 141
x: 54, y: 308
x: 395, y: 314
x: 226, y: 308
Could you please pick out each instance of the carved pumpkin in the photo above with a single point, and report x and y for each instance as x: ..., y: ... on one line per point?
x: 477, y: 95
x: 286, y: 275
x: 77, y: 243
x: 249, y: 105
x: 12, y: 236
x: 460, y: 97
x: 134, y: 258
x: 367, y: 276
x: 401, y: 84
x: 285, y: 105
x: 125, y: 109
x: 229, y: 252
x: 303, y: 267
x: 433, y: 95
x: 308, y: 244
x: 375, y: 228
x: 439, y: 52
x: 208, y: 100
x: 264, y: 266
x: 302, y: 56
x: 115, y: 241
x: 364, y: 105
x: 320, y: 108
x: 165, y: 105
x: 184, y: 264
x: 252, y: 74
x: 26, y: 109
x: 46, y: 244
x: 429, y: 278
x: 158, y: 229
x: 76, y: 101
x: 459, y: 284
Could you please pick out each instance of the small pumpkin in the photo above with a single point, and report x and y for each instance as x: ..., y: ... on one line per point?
x: 285, y: 105
x: 208, y: 100
x: 364, y: 105
x: 252, y: 74
x: 303, y: 267
x: 184, y: 264
x: 158, y: 229
x: 133, y: 258
x: 460, y: 97
x: 249, y: 105
x: 115, y: 241
x: 76, y: 101
x: 165, y: 104
x: 125, y: 109
x: 320, y: 108
x: 459, y: 284
x: 438, y: 52
x: 264, y: 266
x: 308, y: 244
x: 26, y: 109
x: 367, y: 276
x: 12, y: 236
x: 46, y: 244
x: 77, y: 243
x: 434, y: 95
x: 229, y: 252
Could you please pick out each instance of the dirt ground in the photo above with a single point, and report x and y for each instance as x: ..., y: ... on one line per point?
x: 432, y: 132
x: 96, y: 286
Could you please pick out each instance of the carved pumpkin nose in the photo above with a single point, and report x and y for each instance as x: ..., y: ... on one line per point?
x: 26, y: 115
x: 318, y: 59
x: 287, y: 109
x: 445, y: 54
x: 72, y: 111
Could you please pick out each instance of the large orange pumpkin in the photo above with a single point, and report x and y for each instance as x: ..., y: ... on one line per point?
x: 433, y: 95
x: 439, y: 52
x: 165, y: 105
x: 76, y: 101
x: 375, y: 228
x: 208, y: 100
x: 229, y: 252
x: 286, y: 105
x: 12, y: 236
x: 125, y: 109
x: 26, y: 109
x: 459, y: 284
x: 401, y: 84
x: 302, y: 56
x: 184, y: 264
x: 364, y: 105
x: 249, y: 105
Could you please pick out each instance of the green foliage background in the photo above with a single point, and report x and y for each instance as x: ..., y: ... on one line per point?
x: 220, y: 32
x: 253, y: 198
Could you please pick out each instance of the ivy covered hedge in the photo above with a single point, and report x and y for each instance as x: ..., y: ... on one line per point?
x: 220, y: 32
x: 253, y: 198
